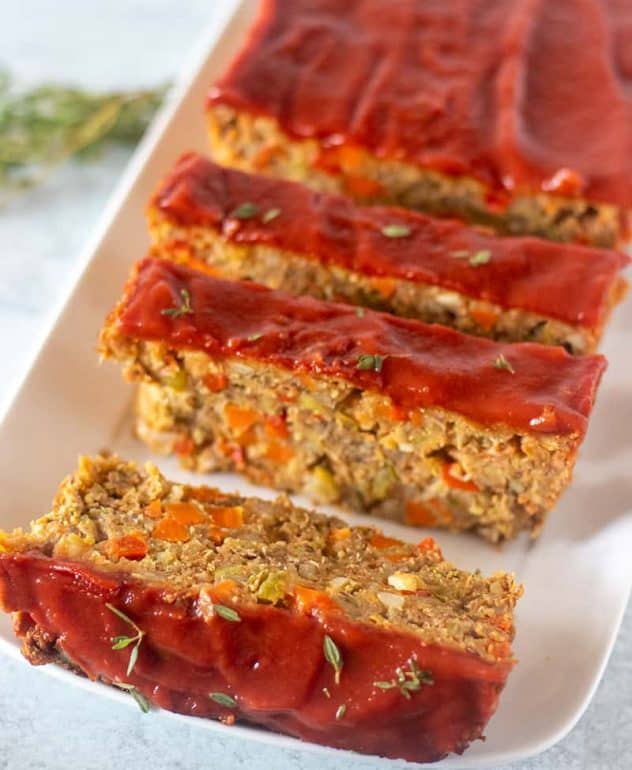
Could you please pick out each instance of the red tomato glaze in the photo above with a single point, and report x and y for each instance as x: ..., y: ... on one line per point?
x: 564, y: 281
x: 271, y: 662
x: 521, y: 94
x: 548, y: 390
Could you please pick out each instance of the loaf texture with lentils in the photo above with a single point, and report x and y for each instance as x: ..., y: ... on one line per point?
x: 286, y: 236
x: 402, y: 419
x: 506, y: 112
x: 197, y: 601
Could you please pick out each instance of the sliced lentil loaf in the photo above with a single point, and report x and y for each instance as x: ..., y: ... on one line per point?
x: 474, y: 108
x: 288, y: 237
x: 406, y: 420
x: 196, y: 600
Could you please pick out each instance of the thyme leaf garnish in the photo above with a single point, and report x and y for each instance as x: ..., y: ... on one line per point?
x: 333, y: 656
x: 340, y: 712
x: 396, y: 231
x: 326, y: 692
x: 245, y: 211
x: 141, y: 700
x: 184, y: 309
x: 359, y: 311
x: 269, y: 215
x: 502, y: 363
x: 223, y: 699
x: 255, y: 337
x: 228, y: 613
x: 122, y: 642
x: 407, y: 681
x: 369, y: 362
x: 481, y: 257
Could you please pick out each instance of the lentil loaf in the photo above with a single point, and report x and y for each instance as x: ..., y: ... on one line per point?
x: 402, y: 419
x: 471, y: 108
x: 196, y: 601
x: 288, y: 237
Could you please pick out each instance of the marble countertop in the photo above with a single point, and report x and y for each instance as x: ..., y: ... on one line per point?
x: 43, y: 724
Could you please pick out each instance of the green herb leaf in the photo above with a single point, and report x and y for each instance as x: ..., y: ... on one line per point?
x: 269, y: 215
x: 502, y: 363
x: 396, y: 231
x: 228, y: 613
x: 326, y: 692
x: 223, y: 699
x: 407, y: 681
x: 140, y: 699
x: 341, y: 711
x: 481, y: 257
x: 184, y: 309
x: 245, y: 211
x: 333, y: 656
x: 359, y: 311
x: 122, y: 642
x: 368, y: 362
x: 255, y: 337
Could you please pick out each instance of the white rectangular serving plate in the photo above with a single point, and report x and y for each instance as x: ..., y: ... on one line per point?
x: 577, y: 576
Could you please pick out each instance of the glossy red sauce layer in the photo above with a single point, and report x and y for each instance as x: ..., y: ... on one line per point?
x: 568, y: 282
x: 549, y: 391
x: 271, y: 662
x: 508, y: 91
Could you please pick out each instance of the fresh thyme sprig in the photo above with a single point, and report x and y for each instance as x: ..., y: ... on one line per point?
x: 42, y: 128
x: 183, y: 309
x: 333, y: 656
x: 407, y: 681
x: 143, y: 703
x: 123, y: 642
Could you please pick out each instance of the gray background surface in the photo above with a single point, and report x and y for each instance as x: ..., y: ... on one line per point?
x: 44, y: 724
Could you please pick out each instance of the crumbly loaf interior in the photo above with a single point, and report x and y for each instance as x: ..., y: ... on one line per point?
x: 118, y: 517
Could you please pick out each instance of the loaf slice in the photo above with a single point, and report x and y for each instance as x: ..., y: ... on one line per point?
x: 479, y: 109
x: 221, y: 606
x: 288, y: 237
x: 402, y: 419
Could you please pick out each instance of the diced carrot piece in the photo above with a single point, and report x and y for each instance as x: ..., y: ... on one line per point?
x: 429, y: 544
x: 385, y: 410
x: 224, y: 590
x: 417, y: 418
x: 171, y: 530
x: 309, y: 599
x: 248, y: 437
x: 132, y: 546
x: 183, y: 446
x: 216, y: 535
x: 262, y: 158
x: 450, y: 475
x: 154, y: 509
x: 215, y: 382
x: 231, y: 517
x: 276, y: 427
x: 379, y: 540
x: 361, y: 186
x: 339, y: 534
x: 484, y: 317
x: 419, y: 514
x: 385, y: 287
x: 278, y: 452
x: 502, y: 622
x: 350, y: 157
x: 240, y: 418
x: 204, y: 494
x: 185, y: 513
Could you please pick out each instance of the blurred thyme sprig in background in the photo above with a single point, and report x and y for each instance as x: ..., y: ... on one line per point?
x: 43, y: 127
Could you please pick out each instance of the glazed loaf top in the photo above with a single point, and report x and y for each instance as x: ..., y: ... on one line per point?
x: 521, y: 95
x: 571, y: 283
x: 530, y: 388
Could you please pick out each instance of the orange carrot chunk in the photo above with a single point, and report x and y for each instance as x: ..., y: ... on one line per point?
x: 171, y: 530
